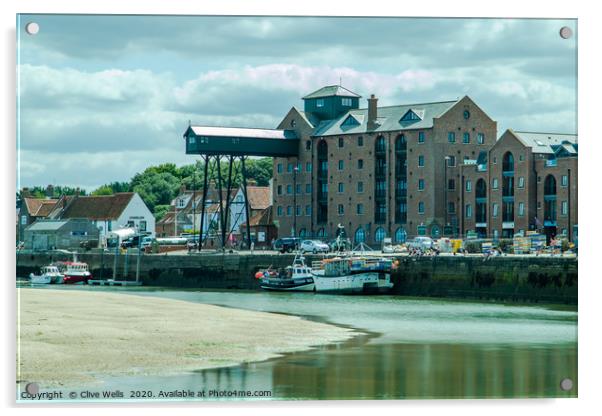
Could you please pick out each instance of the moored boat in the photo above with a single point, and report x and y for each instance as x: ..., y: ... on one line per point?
x: 74, y: 272
x: 48, y: 274
x: 297, y: 277
x: 353, y: 275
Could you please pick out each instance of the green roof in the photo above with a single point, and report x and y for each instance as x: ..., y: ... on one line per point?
x: 330, y: 91
x: 388, y: 119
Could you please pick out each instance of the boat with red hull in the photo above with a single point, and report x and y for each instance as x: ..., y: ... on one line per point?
x: 74, y: 272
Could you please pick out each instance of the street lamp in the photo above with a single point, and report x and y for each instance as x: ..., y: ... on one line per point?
x: 295, y: 170
x: 445, y: 189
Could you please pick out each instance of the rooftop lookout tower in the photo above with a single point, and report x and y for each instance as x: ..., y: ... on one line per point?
x: 331, y: 101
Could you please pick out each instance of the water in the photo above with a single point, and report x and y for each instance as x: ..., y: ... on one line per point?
x: 410, y: 348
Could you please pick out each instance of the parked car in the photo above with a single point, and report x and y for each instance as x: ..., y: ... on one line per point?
x: 314, y: 246
x: 146, y: 242
x: 286, y: 244
x: 423, y: 243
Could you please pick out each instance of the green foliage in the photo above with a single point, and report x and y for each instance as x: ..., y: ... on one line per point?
x: 103, y: 190
x: 156, y: 188
x: 160, y: 211
x: 473, y: 246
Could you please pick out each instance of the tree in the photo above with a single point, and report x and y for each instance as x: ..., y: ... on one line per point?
x: 160, y: 211
x: 102, y: 190
x: 157, y: 188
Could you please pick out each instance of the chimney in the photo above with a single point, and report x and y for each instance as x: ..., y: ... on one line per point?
x: 372, y: 113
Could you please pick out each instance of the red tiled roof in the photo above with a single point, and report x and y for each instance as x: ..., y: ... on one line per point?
x: 39, y: 207
x: 259, y: 197
x: 105, y: 207
x: 263, y: 217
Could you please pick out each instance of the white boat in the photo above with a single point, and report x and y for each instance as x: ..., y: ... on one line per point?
x: 297, y: 277
x: 352, y: 275
x: 49, y: 274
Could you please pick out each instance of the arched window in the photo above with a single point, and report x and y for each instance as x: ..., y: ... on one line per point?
x: 360, y: 235
x: 380, y: 144
x: 508, y: 162
x: 401, y: 235
x: 549, y: 186
x: 321, y: 232
x: 435, y: 231
x: 302, y: 233
x: 379, y: 235
x: 400, y: 143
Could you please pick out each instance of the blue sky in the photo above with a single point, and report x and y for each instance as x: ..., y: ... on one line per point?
x: 103, y: 97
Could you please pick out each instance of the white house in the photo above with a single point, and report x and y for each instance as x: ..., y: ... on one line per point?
x: 107, y: 212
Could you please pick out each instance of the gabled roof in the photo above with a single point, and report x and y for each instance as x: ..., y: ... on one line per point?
x: 332, y: 90
x: 263, y: 217
x: 412, y: 115
x: 388, y: 119
x: 260, y: 197
x: 546, y: 142
x: 47, y: 225
x: 39, y: 207
x: 96, y: 208
x: 241, y: 132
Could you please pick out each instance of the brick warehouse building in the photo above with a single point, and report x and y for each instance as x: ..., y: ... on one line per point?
x: 379, y: 171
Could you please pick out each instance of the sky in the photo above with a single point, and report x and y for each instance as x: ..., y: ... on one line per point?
x: 100, y: 98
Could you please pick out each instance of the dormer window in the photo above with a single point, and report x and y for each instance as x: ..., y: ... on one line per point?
x: 191, y: 140
x: 346, y: 102
x: 350, y: 121
x: 413, y: 115
x: 320, y: 102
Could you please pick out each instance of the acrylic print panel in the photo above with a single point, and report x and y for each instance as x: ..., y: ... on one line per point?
x: 278, y: 208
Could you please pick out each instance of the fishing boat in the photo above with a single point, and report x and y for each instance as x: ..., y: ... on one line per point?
x: 297, y: 277
x: 48, y: 274
x: 353, y: 275
x: 74, y: 272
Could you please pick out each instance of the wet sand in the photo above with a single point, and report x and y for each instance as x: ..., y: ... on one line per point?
x: 69, y: 337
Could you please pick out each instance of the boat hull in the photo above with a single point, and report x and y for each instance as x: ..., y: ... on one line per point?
x: 76, y: 279
x: 304, y: 284
x: 359, y: 283
x: 40, y: 280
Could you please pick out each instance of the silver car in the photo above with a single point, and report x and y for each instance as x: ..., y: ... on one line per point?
x: 314, y: 246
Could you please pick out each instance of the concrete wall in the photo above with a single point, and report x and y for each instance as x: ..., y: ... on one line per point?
x: 540, y: 279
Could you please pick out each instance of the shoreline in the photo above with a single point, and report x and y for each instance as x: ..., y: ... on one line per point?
x: 69, y: 337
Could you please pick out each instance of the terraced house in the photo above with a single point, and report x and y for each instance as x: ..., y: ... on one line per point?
x: 378, y: 171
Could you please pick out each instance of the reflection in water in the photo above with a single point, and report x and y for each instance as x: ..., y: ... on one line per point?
x: 418, y: 348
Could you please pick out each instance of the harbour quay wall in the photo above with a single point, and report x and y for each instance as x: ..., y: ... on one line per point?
x: 512, y: 278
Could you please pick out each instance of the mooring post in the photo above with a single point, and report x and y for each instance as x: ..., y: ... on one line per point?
x: 205, y: 181
x: 244, y: 191
x: 115, y: 260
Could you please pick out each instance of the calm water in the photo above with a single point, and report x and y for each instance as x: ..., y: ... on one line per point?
x: 412, y: 348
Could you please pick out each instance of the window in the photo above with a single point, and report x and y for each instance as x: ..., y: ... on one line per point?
x: 341, y: 209
x: 468, y: 185
x: 494, y: 210
x: 308, y: 188
x: 468, y: 211
x: 521, y: 158
x: 451, y: 207
x: 360, y: 235
x: 564, y: 180
x: 341, y: 142
x: 466, y: 138
x: 521, y: 209
x: 320, y: 102
x: 480, y: 138
x: 359, y: 209
x: 421, y: 184
x: 308, y: 145
x: 279, y: 189
x: 451, y: 137
x: 360, y: 141
x: 192, y: 140
x: 289, y: 210
x: 289, y: 167
x: 308, y: 210
x: 289, y: 189
x: 298, y: 189
x: 451, y: 161
x: 421, y: 207
x: 360, y: 163
x: 420, y: 161
x: 341, y: 187
x: 466, y: 114
x: 360, y: 187
x: 302, y: 232
x: 521, y: 181
x: 180, y: 205
x: 279, y: 168
x: 308, y: 167
x: 494, y: 183
x: 420, y: 137
x: 341, y: 164
x: 400, y: 235
x: 451, y: 184
x: 564, y: 208
x: 379, y: 235
x: 293, y: 123
x: 538, y: 179
x: 298, y: 210
x: 280, y: 211
x: 346, y: 102
x: 142, y: 225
